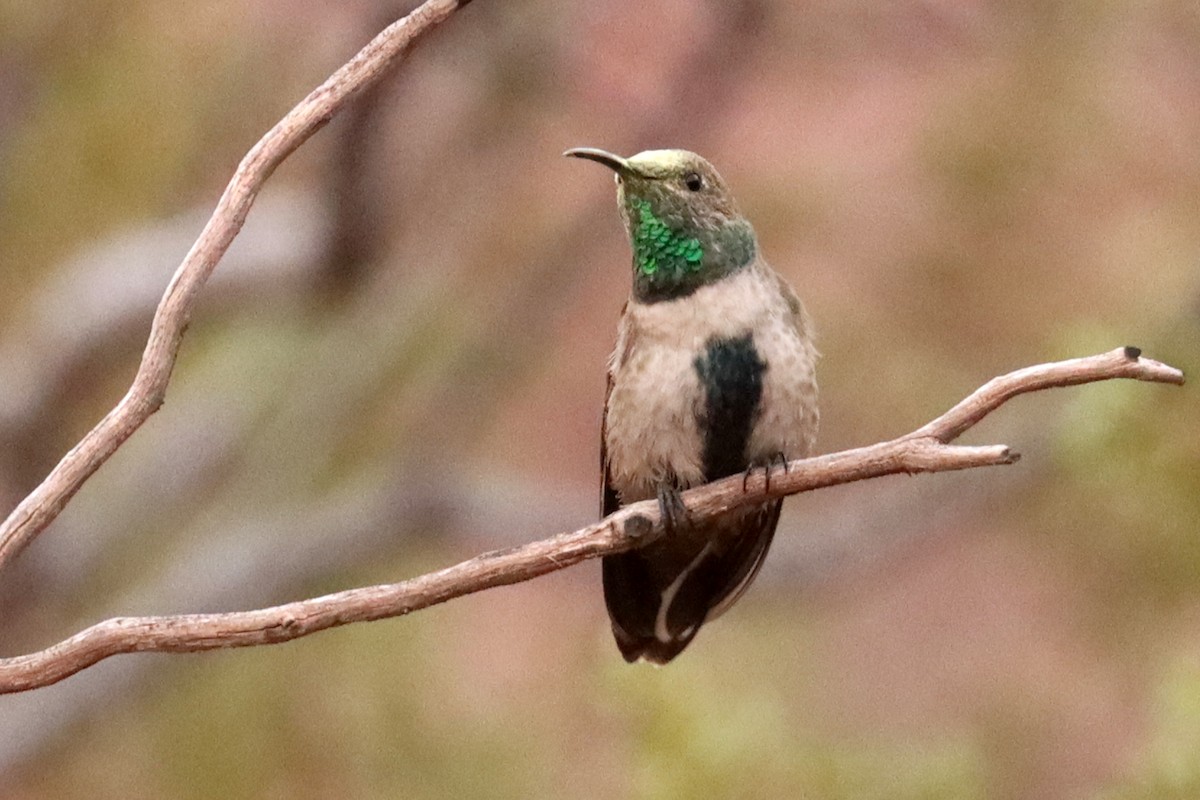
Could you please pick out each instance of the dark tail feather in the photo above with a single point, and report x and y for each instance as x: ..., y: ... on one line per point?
x: 695, y: 586
x: 648, y: 647
x: 632, y: 597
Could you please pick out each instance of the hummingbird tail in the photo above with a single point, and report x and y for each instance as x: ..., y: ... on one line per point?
x: 656, y: 609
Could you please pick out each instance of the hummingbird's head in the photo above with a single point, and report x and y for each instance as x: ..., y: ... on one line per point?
x: 683, y: 224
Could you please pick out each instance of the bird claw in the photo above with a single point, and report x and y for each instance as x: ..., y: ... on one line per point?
x: 775, y: 458
x: 670, y: 505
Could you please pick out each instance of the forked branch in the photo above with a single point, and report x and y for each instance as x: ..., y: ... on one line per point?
x: 927, y: 449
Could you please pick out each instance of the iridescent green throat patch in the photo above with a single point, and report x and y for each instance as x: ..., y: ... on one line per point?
x: 657, y: 248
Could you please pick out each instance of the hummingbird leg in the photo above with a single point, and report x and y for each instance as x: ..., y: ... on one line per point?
x: 670, y: 505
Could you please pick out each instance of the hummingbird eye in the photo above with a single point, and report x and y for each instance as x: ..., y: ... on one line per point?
x: 693, y: 181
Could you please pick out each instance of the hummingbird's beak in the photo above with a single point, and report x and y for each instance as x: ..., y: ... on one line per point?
x: 613, y: 162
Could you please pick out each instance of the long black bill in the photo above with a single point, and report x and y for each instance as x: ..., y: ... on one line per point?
x: 613, y: 162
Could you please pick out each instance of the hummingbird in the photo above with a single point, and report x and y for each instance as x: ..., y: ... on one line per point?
x: 713, y: 374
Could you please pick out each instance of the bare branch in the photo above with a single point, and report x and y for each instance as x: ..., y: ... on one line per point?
x: 149, y: 386
x: 1125, y: 362
x: 924, y: 450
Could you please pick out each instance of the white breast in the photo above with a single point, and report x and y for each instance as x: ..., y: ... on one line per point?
x: 651, y: 425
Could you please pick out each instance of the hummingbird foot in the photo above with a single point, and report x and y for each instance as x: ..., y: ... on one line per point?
x: 670, y: 505
x: 768, y: 464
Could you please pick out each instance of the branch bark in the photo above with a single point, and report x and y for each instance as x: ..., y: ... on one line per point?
x: 926, y: 449
x: 148, y: 390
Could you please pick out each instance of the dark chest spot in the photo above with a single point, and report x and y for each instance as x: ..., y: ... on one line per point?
x: 731, y: 373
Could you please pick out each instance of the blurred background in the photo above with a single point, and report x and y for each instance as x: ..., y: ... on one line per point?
x: 400, y: 364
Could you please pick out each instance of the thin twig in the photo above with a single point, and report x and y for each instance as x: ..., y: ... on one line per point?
x: 148, y: 390
x: 924, y: 450
x: 1125, y: 362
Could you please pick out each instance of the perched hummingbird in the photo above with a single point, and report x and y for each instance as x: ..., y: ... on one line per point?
x: 712, y: 375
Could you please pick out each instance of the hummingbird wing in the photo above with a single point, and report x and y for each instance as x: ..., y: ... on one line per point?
x: 609, y: 501
x: 744, y: 565
x: 797, y: 315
